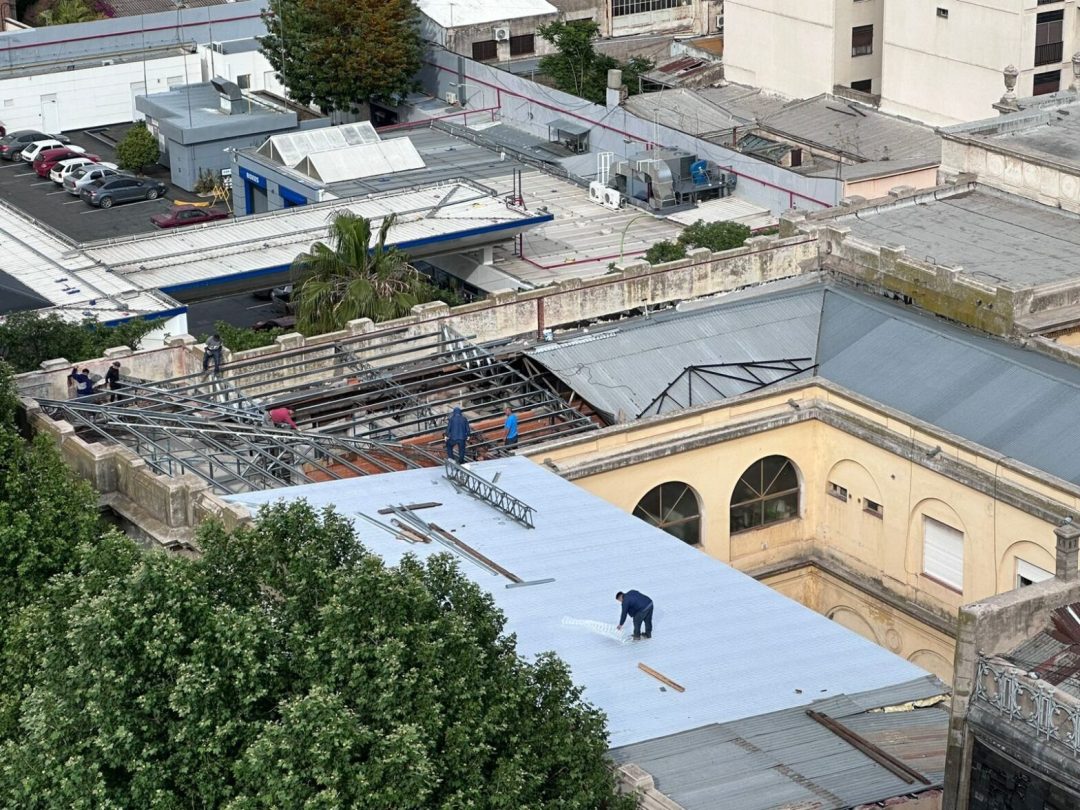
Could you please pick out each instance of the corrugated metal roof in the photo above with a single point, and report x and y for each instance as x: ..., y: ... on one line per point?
x: 851, y: 128
x: 684, y: 110
x: 250, y: 244
x: 739, y: 648
x: 621, y: 370
x: 1018, y: 402
x: 786, y: 759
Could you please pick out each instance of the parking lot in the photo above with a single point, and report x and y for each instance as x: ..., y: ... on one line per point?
x: 46, y: 202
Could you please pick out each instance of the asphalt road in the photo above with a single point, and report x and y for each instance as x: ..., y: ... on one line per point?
x: 241, y: 309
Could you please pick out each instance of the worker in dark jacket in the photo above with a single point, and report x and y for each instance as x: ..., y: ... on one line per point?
x: 212, y: 353
x: 84, y: 384
x: 639, y: 607
x: 457, y: 435
x: 112, y: 380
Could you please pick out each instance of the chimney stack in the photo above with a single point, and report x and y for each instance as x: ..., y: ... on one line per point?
x: 1068, y: 550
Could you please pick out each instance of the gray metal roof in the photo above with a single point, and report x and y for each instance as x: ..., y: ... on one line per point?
x: 1012, y: 400
x: 752, y: 651
x: 741, y: 101
x: 684, y: 110
x: 844, y: 126
x: 785, y: 759
x: 621, y: 370
x: 998, y: 237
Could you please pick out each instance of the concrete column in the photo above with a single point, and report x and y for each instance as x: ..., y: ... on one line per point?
x: 1068, y: 550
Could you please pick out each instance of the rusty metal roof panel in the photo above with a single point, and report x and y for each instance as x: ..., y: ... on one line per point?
x: 785, y: 759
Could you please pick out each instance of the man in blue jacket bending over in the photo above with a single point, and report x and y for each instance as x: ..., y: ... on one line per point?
x: 638, y: 607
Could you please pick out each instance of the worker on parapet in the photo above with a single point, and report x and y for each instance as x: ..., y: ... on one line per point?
x: 511, y: 427
x: 638, y: 607
x: 84, y: 384
x: 283, y: 416
x: 214, y: 348
x: 457, y: 435
x: 112, y: 380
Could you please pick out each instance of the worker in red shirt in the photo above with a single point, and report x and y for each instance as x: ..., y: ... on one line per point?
x: 283, y: 416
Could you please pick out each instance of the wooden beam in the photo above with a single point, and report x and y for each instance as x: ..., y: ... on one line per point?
x: 881, y: 757
x: 390, y: 510
x: 473, y: 552
x: 661, y: 677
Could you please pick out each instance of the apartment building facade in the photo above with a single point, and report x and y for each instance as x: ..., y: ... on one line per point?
x: 937, y: 61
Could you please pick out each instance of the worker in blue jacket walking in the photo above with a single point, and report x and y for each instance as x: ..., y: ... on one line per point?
x: 638, y: 607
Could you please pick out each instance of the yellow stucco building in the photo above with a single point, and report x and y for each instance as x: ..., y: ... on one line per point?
x: 875, y: 517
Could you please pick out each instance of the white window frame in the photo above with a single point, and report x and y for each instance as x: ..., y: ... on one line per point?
x: 943, y: 553
x: 1031, y: 572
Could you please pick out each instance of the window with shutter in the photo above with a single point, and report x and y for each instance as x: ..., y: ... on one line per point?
x: 485, y: 50
x: 862, y: 40
x: 943, y: 553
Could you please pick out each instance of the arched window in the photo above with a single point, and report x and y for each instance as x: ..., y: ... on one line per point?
x: 766, y: 493
x: 674, y: 508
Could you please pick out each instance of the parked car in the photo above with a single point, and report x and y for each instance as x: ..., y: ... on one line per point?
x: 11, y: 145
x: 279, y: 322
x: 85, y: 175
x: 44, y: 162
x: 122, y: 188
x: 181, y: 215
x: 32, y: 150
x: 282, y: 298
x: 69, y: 165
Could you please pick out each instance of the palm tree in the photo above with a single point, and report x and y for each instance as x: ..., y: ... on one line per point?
x: 69, y: 11
x: 353, y: 278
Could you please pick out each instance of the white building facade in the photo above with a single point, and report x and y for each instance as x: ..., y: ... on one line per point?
x: 937, y: 61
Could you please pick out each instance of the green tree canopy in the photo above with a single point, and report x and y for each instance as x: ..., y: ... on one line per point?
x: 27, y: 339
x: 577, y: 68
x: 716, y: 236
x: 355, y: 276
x: 137, y: 149
x: 64, y: 12
x: 340, y: 55
x: 665, y: 251
x: 287, y: 667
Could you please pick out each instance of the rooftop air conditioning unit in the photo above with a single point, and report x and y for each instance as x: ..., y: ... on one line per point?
x: 451, y: 98
x: 502, y: 34
x: 613, y: 199
x: 720, y: 23
x: 596, y: 192
x: 107, y: 62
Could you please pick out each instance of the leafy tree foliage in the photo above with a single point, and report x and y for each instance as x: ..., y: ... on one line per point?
x: 355, y: 276
x: 665, y: 251
x: 137, y: 149
x: 286, y: 667
x: 27, y: 339
x: 239, y: 339
x: 64, y: 12
x: 577, y: 68
x: 340, y: 55
x: 716, y: 236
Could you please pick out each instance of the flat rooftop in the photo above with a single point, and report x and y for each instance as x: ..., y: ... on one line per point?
x: 1049, y: 133
x: 462, y: 13
x: 986, y: 234
x: 739, y: 648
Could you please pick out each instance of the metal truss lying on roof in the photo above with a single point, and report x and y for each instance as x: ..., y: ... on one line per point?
x: 368, y: 404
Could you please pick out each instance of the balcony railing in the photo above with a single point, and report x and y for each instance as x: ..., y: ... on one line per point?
x: 1047, y: 712
x: 1049, y: 54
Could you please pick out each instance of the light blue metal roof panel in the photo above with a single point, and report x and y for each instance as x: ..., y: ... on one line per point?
x: 739, y: 648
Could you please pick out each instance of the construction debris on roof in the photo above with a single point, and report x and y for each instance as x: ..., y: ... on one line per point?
x: 1054, y: 654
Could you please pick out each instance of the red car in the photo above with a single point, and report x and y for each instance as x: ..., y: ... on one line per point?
x: 187, y: 215
x: 43, y: 163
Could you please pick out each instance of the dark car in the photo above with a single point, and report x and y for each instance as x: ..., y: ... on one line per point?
x: 279, y: 322
x: 12, y: 144
x: 282, y: 298
x: 187, y: 215
x: 105, y: 193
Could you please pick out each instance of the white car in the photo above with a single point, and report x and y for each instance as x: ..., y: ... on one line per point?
x: 66, y: 167
x: 37, y: 147
x: 85, y: 175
